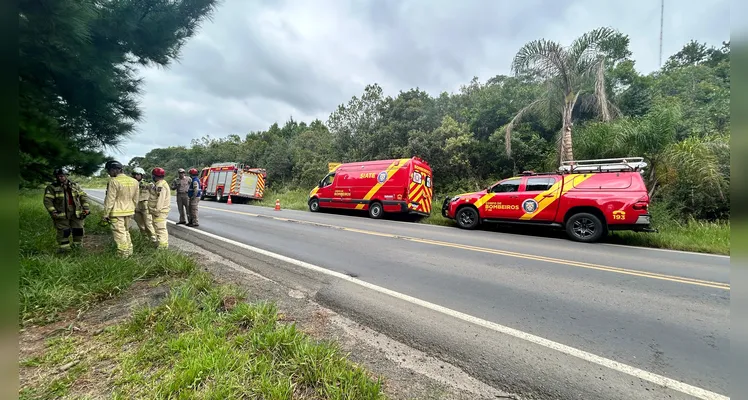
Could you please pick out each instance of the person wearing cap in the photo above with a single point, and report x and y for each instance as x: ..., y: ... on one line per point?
x: 142, y: 216
x: 67, y: 204
x: 122, y: 195
x: 182, y: 184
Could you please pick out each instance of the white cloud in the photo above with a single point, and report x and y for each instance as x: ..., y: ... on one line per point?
x: 261, y: 62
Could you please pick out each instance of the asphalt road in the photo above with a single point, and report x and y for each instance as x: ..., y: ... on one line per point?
x: 659, y: 311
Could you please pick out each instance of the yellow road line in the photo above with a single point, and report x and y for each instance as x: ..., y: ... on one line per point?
x: 625, y: 271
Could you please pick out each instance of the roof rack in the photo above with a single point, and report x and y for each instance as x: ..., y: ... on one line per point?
x: 604, y: 165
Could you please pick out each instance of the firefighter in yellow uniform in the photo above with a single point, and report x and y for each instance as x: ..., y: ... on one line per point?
x: 122, y: 195
x: 67, y: 204
x: 142, y: 215
x: 159, y: 205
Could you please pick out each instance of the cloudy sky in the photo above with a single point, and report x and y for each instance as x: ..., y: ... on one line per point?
x: 262, y: 61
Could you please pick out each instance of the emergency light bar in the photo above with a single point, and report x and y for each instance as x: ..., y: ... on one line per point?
x: 604, y: 165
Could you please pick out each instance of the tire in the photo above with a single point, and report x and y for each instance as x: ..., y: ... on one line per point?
x: 585, y: 227
x: 376, y: 210
x: 467, y: 218
x: 219, y: 195
x: 314, y: 205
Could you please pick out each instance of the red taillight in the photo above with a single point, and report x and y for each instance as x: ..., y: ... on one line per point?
x: 641, y: 205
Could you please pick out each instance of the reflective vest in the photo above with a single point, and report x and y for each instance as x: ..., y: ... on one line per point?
x: 195, y: 186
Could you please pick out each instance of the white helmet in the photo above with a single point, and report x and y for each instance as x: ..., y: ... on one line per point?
x: 138, y: 170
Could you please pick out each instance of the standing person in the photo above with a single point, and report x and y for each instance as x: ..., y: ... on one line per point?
x: 181, y: 184
x: 142, y: 215
x: 67, y: 204
x: 194, y: 193
x: 159, y: 205
x: 122, y: 194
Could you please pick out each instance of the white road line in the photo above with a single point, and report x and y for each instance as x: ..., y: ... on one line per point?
x: 604, y: 362
x: 429, y: 226
x: 568, y: 350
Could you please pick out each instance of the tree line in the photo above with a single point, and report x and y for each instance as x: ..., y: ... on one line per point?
x: 581, y: 101
x: 577, y: 101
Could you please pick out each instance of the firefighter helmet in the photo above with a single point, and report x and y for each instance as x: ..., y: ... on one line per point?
x: 138, y: 170
x: 112, y: 165
x: 158, y: 172
x: 193, y: 171
x: 60, y: 171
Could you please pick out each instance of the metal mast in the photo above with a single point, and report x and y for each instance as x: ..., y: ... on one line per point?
x: 662, y: 18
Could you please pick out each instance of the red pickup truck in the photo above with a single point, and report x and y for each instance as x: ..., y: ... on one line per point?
x: 587, y: 198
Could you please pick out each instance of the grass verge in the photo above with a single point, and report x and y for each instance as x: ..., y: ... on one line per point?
x: 198, y: 340
x: 692, y: 235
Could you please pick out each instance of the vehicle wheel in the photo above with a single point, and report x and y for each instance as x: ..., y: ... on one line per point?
x: 584, y: 227
x: 314, y: 205
x: 375, y: 210
x: 219, y: 195
x: 467, y: 218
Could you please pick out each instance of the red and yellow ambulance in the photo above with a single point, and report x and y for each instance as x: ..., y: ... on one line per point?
x: 402, y: 185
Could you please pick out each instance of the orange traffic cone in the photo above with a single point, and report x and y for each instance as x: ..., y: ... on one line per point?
x: 277, y: 205
x: 229, y: 202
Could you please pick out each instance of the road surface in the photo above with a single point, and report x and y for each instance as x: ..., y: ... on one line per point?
x: 641, y: 313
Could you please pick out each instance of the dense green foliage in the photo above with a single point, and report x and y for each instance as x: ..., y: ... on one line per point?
x: 77, y: 74
x: 677, y: 118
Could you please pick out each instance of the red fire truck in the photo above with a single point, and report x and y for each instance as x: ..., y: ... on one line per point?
x: 398, y: 186
x: 587, y: 198
x: 241, y: 182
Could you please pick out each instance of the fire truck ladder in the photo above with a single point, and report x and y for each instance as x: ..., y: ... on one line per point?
x: 628, y: 164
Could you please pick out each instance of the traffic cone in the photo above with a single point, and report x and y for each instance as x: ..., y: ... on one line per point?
x: 229, y: 202
x: 277, y: 205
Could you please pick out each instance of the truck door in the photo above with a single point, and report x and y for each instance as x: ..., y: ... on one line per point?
x: 420, y: 191
x: 538, y: 198
x: 505, y: 203
x: 325, y: 192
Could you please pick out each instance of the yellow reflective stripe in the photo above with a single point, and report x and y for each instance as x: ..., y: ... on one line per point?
x: 483, y: 199
x: 394, y: 167
x: 49, y: 196
x: 51, y: 209
x: 543, y: 201
x: 122, y: 213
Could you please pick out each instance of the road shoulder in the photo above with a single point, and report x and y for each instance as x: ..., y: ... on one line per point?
x: 408, y: 373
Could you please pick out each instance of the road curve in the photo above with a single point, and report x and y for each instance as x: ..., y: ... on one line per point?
x: 663, y: 312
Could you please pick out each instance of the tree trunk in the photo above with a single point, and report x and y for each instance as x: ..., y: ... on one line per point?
x: 567, y: 153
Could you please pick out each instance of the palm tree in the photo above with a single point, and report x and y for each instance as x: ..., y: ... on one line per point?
x: 571, y: 75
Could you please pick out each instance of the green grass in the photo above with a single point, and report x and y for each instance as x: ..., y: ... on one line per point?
x: 203, y: 341
x: 692, y: 235
x: 291, y: 199
x: 196, y: 345
x: 91, y: 182
x: 51, y: 283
